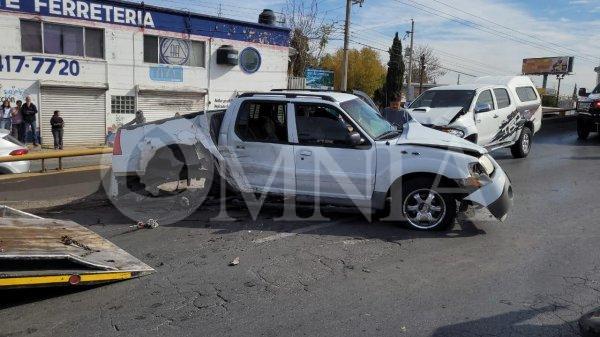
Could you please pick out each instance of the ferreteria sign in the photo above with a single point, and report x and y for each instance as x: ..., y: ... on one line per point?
x: 87, y: 10
x: 140, y: 15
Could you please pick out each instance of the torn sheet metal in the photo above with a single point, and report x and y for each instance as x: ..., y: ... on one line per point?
x: 47, y: 252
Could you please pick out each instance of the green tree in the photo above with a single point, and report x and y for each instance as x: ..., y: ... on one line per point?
x: 392, y: 87
x: 365, y: 70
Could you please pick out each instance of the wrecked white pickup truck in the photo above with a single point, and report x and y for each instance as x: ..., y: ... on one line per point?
x: 327, y: 147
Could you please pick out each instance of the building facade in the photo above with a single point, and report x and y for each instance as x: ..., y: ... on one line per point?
x: 99, y: 61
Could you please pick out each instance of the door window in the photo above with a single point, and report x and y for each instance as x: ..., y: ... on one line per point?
x: 526, y: 94
x: 262, y: 122
x: 502, y: 98
x: 322, y: 125
x: 485, y: 98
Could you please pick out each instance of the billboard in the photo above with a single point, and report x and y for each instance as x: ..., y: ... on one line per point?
x: 319, y: 78
x: 548, y: 65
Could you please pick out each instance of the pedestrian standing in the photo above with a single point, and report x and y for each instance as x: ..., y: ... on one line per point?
x: 29, y: 110
x: 58, y: 125
x: 6, y: 116
x: 17, y: 121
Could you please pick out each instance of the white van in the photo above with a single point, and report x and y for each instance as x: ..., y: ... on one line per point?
x: 494, y: 112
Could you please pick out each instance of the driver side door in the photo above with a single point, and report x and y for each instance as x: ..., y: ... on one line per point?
x: 327, y: 163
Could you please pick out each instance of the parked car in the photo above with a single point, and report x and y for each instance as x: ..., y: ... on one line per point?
x: 588, y: 112
x: 494, y: 112
x: 9, y: 146
x: 328, y: 146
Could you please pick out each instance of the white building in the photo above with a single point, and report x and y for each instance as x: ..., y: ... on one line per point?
x: 99, y: 61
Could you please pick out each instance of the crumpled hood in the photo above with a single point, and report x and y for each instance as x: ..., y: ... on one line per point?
x: 590, y: 98
x: 435, y: 116
x: 417, y: 134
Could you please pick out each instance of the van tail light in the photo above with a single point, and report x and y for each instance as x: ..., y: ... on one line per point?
x: 597, y: 105
x: 117, y: 145
x: 19, y: 152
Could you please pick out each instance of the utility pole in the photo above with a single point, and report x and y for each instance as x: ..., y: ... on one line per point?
x: 421, y: 74
x: 458, y: 80
x: 559, y: 78
x: 409, y: 89
x: 349, y: 4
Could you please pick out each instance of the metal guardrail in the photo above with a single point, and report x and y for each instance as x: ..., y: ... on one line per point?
x: 45, y: 155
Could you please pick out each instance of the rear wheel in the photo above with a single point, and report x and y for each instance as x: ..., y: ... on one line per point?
x: 583, y: 131
x: 423, y: 206
x: 522, y: 147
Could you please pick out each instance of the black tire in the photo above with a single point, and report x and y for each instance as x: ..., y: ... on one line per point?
x: 583, y: 131
x: 404, y: 199
x: 522, y: 147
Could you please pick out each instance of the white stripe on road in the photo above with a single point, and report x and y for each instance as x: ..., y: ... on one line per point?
x: 295, y: 232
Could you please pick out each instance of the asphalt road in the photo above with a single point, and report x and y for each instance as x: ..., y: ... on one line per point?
x: 532, y: 275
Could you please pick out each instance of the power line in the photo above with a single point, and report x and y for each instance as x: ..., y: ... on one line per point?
x: 474, y: 25
x: 512, y: 29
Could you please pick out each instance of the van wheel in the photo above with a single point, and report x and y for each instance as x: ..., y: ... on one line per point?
x: 423, y: 207
x: 583, y: 131
x: 522, y: 147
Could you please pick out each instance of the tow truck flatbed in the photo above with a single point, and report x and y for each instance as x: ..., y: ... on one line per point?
x: 48, y: 252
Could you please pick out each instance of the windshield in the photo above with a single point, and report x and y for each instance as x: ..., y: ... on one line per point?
x: 444, y: 99
x: 367, y: 118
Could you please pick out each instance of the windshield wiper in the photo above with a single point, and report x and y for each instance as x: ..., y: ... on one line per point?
x: 389, y: 134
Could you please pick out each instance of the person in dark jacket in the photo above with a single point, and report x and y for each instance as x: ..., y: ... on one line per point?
x: 28, y: 111
x: 58, y: 125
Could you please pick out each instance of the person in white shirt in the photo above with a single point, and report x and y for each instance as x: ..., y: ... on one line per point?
x: 6, y: 116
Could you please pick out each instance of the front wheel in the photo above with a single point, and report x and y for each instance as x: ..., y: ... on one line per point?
x: 424, y: 207
x: 522, y: 147
x: 583, y: 131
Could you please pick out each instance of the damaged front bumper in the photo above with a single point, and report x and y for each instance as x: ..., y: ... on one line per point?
x: 497, y: 196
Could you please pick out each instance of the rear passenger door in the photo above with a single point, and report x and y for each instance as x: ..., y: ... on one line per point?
x: 506, y: 111
x: 488, y: 122
x: 260, y: 147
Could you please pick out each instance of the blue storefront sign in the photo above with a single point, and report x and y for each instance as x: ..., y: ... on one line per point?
x: 166, y: 74
x: 139, y: 15
x: 319, y: 78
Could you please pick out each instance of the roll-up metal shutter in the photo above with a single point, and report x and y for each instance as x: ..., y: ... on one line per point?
x: 82, y: 109
x: 159, y: 105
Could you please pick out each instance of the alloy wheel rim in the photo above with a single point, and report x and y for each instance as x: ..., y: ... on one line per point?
x: 424, y: 208
x: 526, y: 143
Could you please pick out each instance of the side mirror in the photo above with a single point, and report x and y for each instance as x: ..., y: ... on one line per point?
x: 583, y: 92
x: 356, y: 138
x: 483, y: 108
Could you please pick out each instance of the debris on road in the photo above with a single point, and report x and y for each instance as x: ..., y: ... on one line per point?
x: 235, y: 261
x: 150, y: 224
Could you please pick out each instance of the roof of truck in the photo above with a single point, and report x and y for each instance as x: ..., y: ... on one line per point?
x: 334, y: 95
x: 462, y: 87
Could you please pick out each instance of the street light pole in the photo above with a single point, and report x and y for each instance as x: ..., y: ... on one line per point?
x: 349, y: 4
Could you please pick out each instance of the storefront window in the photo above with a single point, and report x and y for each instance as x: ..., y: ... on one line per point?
x: 61, y: 39
x: 250, y: 60
x: 31, y: 36
x: 122, y: 104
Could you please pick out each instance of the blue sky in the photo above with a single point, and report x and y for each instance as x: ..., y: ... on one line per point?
x: 560, y: 27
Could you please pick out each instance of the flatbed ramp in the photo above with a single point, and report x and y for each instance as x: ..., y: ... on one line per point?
x: 47, y: 252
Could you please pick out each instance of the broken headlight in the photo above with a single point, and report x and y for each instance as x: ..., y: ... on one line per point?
x: 480, y: 171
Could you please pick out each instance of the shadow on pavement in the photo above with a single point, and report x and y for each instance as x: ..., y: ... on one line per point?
x: 16, y: 297
x: 514, y: 323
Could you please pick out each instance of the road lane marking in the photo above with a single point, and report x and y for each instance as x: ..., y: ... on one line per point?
x: 301, y: 230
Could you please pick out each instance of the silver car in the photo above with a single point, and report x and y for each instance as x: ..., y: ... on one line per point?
x: 9, y: 146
